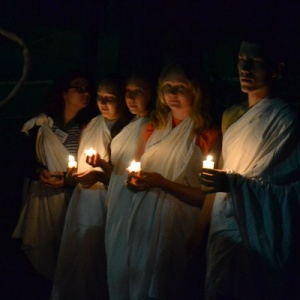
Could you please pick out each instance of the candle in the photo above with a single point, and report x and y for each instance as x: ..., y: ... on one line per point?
x: 134, y: 166
x: 72, y: 163
x: 208, y: 163
x: 90, y: 152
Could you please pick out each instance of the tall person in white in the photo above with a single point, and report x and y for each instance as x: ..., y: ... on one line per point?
x: 50, y: 139
x: 251, y: 246
x: 81, y: 267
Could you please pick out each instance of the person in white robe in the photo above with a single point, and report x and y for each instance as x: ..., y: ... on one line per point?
x: 54, y: 135
x: 140, y: 98
x: 81, y: 269
x: 252, y: 237
x: 160, y: 219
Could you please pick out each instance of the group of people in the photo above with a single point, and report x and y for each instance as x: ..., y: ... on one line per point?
x: 99, y: 231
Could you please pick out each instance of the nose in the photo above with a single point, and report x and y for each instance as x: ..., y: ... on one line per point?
x: 130, y: 96
x: 245, y: 65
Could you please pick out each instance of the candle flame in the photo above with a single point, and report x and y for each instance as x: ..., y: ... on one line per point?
x: 90, y: 152
x: 134, y: 166
x: 209, y: 158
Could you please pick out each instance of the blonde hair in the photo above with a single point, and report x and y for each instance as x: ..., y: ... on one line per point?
x: 199, y: 114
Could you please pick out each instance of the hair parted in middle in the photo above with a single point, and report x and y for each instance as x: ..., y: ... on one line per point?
x: 198, y: 82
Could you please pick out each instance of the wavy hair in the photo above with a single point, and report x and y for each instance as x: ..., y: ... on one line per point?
x: 199, y: 85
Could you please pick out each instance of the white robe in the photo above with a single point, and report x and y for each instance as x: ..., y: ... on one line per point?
x: 81, y: 271
x: 42, y: 217
x: 159, y: 224
x: 119, y: 197
x: 244, y: 251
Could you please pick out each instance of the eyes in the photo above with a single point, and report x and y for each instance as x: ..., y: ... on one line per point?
x: 106, y: 99
x: 242, y: 60
x: 174, y: 89
x: 134, y: 93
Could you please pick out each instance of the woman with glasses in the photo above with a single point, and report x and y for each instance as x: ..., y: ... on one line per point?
x: 49, y: 140
x: 81, y: 267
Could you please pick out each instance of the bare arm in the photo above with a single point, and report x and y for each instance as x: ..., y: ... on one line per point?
x: 190, y: 195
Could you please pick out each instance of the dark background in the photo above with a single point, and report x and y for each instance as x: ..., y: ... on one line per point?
x: 104, y: 36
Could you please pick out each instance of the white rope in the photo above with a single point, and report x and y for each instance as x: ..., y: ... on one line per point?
x: 15, y: 38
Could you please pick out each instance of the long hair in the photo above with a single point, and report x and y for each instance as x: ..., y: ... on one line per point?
x: 199, y: 85
x: 55, y: 100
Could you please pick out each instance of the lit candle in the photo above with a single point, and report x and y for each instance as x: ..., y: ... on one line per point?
x: 208, y: 163
x: 90, y: 152
x: 72, y: 163
x: 135, y: 166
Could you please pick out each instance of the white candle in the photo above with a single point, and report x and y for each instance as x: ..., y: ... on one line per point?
x: 208, y: 163
x: 135, y: 166
x: 90, y: 152
x: 72, y: 163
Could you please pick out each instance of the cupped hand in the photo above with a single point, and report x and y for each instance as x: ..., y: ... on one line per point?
x: 54, y: 179
x: 146, y: 180
x: 93, y: 160
x: 215, y: 180
x: 87, y: 179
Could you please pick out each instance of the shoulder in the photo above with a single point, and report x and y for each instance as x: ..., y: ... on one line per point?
x: 232, y: 114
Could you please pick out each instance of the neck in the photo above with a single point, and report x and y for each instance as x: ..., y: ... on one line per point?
x: 142, y: 114
x: 69, y: 115
x: 181, y: 114
x: 256, y: 96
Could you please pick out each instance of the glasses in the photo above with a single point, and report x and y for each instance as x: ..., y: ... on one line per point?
x: 80, y: 89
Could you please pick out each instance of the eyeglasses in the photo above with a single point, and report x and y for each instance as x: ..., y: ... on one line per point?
x: 80, y: 89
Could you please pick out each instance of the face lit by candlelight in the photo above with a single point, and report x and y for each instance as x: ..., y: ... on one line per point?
x: 253, y: 71
x: 107, y: 102
x: 177, y: 91
x: 138, y: 95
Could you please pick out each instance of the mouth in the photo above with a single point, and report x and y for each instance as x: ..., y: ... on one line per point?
x: 245, y: 79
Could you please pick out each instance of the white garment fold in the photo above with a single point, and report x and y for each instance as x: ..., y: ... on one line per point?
x: 81, y: 268
x: 243, y: 228
x: 119, y: 198
x: 159, y: 224
x: 42, y: 218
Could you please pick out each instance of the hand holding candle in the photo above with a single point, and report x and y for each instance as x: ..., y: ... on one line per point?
x: 92, y: 157
x: 208, y: 164
x: 90, y: 152
x: 134, y: 167
x: 72, y: 163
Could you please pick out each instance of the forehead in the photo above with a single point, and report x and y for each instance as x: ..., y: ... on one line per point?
x: 176, y: 76
x: 79, y: 81
x: 251, y: 49
x: 106, y: 89
x: 137, y: 83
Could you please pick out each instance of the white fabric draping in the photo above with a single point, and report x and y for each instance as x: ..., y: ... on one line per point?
x: 245, y: 233
x: 159, y: 224
x: 119, y: 197
x: 81, y: 270
x: 42, y: 218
